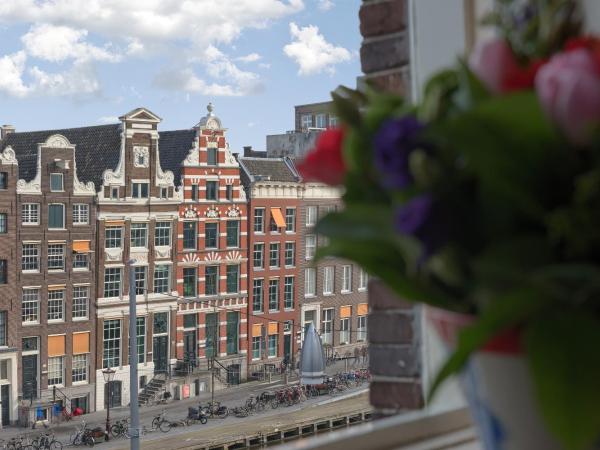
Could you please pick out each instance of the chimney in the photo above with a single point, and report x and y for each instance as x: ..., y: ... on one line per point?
x: 5, y: 130
x: 247, y: 151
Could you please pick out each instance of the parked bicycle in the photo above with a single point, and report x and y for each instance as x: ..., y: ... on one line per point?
x: 255, y: 404
x: 18, y: 443
x: 196, y: 415
x: 120, y: 428
x: 46, y: 441
x: 239, y: 411
x: 83, y: 436
x: 161, y: 423
x: 215, y: 409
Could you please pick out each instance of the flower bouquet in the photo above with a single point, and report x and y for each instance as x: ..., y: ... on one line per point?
x: 483, y: 201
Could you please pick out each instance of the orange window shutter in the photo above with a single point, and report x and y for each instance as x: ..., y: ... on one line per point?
x: 363, y: 309
x: 278, y: 217
x: 256, y: 330
x: 273, y: 327
x: 345, y: 311
x: 56, y: 345
x: 81, y: 343
x: 81, y: 246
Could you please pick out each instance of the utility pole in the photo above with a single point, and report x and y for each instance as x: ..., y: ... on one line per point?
x: 134, y: 406
x: 215, y: 345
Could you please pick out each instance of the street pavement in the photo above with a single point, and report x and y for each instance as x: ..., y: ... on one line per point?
x: 177, y: 410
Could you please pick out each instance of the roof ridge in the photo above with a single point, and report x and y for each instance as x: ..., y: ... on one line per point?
x: 64, y: 129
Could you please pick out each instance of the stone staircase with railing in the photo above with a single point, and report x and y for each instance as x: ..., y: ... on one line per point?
x: 154, y: 387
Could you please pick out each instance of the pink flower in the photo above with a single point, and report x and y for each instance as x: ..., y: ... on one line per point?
x: 495, y: 65
x: 325, y: 163
x: 569, y: 90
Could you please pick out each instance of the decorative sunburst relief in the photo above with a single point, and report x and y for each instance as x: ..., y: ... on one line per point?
x: 233, y: 255
x: 212, y: 256
x: 190, y: 212
x: 233, y: 211
x: 212, y: 212
x: 190, y: 258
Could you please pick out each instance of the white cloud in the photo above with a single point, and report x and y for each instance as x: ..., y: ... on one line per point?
x: 325, y: 5
x: 11, y: 68
x: 312, y: 52
x: 264, y: 65
x: 108, y: 119
x: 252, y: 57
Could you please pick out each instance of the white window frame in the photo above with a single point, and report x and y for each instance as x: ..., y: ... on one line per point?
x: 56, y: 371
x: 162, y: 278
x: 363, y: 280
x: 79, y: 368
x: 258, y: 250
x: 310, y: 282
x: 63, y: 216
x: 361, y: 328
x: 56, y: 306
x: 321, y: 120
x: 311, y: 216
x: 81, y: 302
x: 274, y: 250
x: 114, y: 271
x: 29, y: 211
x: 162, y: 238
x: 261, y: 223
x: 345, y: 330
x: 62, y: 182
x: 108, y: 238
x: 142, y: 229
x: 81, y: 214
x: 56, y: 256
x: 136, y: 189
x: 346, y: 279
x: 327, y: 326
x: 310, y: 241
x: 31, y: 298
x: 306, y: 121
x: 30, y: 257
x: 256, y: 340
x: 328, y: 280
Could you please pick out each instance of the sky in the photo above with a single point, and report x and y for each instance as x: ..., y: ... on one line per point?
x: 72, y: 63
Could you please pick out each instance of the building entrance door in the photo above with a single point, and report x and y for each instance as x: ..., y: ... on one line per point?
x: 160, y: 353
x: 287, y: 348
x: 189, y: 347
x: 4, y: 398
x: 30, y: 371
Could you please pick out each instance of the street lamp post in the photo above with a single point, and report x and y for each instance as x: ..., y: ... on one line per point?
x: 109, y: 375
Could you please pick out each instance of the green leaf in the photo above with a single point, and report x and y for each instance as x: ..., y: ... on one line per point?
x: 471, y: 90
x: 503, y: 313
x: 346, y: 109
x: 565, y: 364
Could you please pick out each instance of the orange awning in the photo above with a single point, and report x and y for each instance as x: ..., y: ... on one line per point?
x: 345, y: 311
x: 256, y: 330
x: 81, y: 343
x: 273, y: 327
x: 278, y: 217
x: 363, y: 309
x: 81, y: 246
x: 56, y: 345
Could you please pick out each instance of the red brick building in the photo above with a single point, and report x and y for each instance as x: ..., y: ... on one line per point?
x: 274, y: 193
x: 212, y: 254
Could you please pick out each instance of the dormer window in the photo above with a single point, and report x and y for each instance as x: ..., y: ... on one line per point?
x: 164, y: 193
x: 114, y: 192
x: 56, y: 182
x: 140, y: 190
x: 212, y: 156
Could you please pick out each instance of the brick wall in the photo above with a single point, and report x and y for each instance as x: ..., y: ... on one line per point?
x: 385, y: 49
x: 394, y: 332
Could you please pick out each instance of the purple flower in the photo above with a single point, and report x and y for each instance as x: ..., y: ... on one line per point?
x: 394, y: 142
x: 422, y: 219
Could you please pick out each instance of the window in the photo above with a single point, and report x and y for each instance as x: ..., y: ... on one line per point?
x: 311, y: 216
x: 259, y: 256
x: 189, y: 320
x: 80, y: 261
x: 333, y: 121
x: 139, y: 235
x: 114, y: 192
x: 229, y: 192
x: 30, y: 214
x: 257, y: 295
x: 164, y: 193
x: 140, y: 333
x: 3, y: 180
x: 113, y: 237
x: 56, y: 305
x: 112, y: 281
x: 328, y: 280
x: 233, y: 233
x: 161, y: 323
x: 194, y: 192
x: 290, y: 219
x: 211, y: 154
x: 162, y: 279
x: 189, y: 281
x: 56, y: 182
x: 259, y: 220
x: 211, y: 231
x: 140, y: 190
x: 288, y: 293
x: 233, y: 275
x: 3, y: 223
x: 363, y: 279
x: 212, y: 331
x: 273, y: 345
x: 274, y: 255
x: 189, y: 235
x: 56, y: 257
x: 273, y: 228
x: 345, y: 331
x: 30, y: 306
x: 233, y: 319
x: 346, y: 279
x: 290, y: 254
x: 273, y: 295
x: 256, y: 347
x: 311, y: 245
x: 327, y: 322
x: 81, y: 300
x: 56, y: 215
x: 79, y: 368
x: 3, y: 272
x: 111, y: 356
x: 309, y: 282
x: 140, y: 280
x: 162, y: 234
x: 211, y: 280
x: 3, y: 329
x: 306, y: 121
x: 55, y: 370
x: 211, y: 190
x: 4, y: 369
x: 30, y: 259
x: 361, y: 332
x: 321, y: 121
x: 81, y: 214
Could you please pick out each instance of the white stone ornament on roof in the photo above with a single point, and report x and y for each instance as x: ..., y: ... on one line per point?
x: 210, y: 121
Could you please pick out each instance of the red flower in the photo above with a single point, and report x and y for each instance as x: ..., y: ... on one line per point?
x: 589, y: 43
x: 325, y: 163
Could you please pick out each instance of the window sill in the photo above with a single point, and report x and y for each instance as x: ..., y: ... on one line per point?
x: 80, y: 224
x: 56, y: 321
x: 80, y: 319
x: 57, y: 229
x: 79, y: 383
x: 309, y: 295
x: 329, y: 294
x: 273, y: 311
x: 362, y: 289
x: 258, y: 312
x: 30, y: 224
x: 56, y: 270
x: 345, y: 292
x: 81, y: 269
x: 30, y: 324
x: 30, y: 271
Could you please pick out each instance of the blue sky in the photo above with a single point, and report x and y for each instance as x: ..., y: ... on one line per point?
x: 69, y: 63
